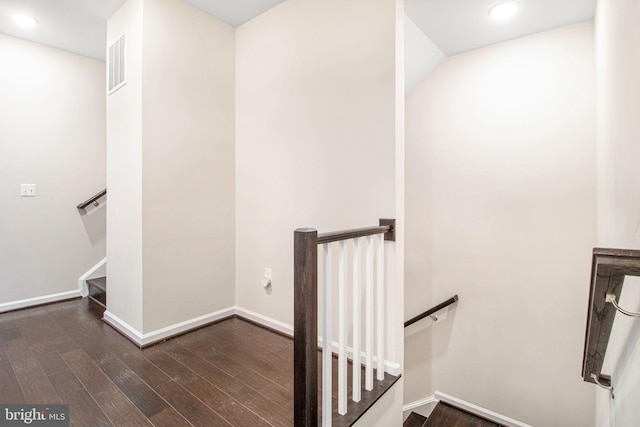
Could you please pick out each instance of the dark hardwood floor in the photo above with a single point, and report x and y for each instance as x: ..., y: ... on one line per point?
x: 232, y: 373
x: 414, y: 420
x: 445, y: 415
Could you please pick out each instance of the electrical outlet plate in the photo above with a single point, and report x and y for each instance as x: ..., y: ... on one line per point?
x: 27, y: 190
x: 267, y: 273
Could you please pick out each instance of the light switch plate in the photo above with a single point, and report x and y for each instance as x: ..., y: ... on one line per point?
x: 27, y: 190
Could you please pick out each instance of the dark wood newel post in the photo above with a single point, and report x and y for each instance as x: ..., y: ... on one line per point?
x: 305, y: 327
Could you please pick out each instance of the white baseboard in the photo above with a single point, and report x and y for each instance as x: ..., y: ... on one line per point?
x: 426, y: 405
x: 82, y: 280
x: 392, y: 368
x: 179, y: 328
x: 152, y: 337
x: 422, y: 407
x: 123, y: 327
x: 182, y: 327
x: 46, y: 299
x: 142, y: 340
x: 483, y: 412
x: 429, y: 400
x: 268, y: 322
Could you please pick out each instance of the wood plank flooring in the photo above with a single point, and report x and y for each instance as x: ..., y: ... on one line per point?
x: 414, y: 420
x: 445, y: 415
x: 232, y: 373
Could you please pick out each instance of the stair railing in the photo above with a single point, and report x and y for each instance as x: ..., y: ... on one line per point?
x: 432, y: 311
x: 609, y: 267
x: 306, y: 242
x: 93, y: 200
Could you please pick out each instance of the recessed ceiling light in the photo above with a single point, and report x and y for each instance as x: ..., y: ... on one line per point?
x: 504, y: 10
x: 25, y: 21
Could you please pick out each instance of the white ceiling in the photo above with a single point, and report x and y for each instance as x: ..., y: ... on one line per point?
x: 80, y: 26
x: 457, y: 26
x: 453, y: 25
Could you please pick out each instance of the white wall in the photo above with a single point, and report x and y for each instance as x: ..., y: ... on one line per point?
x: 501, y: 210
x: 124, y: 174
x: 319, y: 127
x: 318, y: 123
x: 52, y: 134
x: 618, y: 135
x: 188, y: 173
x: 171, y: 167
x: 315, y: 133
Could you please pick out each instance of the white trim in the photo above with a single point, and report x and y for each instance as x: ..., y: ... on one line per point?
x: 426, y: 405
x: 82, y: 280
x: 429, y: 400
x: 123, y: 327
x: 422, y: 407
x: 264, y: 320
x: 391, y: 367
x: 29, y: 302
x: 164, y: 333
x: 483, y: 412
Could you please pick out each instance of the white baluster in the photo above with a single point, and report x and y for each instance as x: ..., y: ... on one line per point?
x: 368, y: 340
x: 326, y: 337
x: 342, y: 334
x: 356, y: 380
x: 380, y: 308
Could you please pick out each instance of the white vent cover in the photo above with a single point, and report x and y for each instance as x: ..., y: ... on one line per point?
x: 116, y: 66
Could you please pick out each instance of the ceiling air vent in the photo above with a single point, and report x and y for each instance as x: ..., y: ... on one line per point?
x: 116, y: 65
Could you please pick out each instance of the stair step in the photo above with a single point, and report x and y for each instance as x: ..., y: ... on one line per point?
x: 98, y: 282
x: 445, y: 415
x: 414, y: 420
x: 98, y: 290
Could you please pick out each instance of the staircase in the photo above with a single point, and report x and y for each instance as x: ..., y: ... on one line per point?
x: 445, y: 415
x: 98, y: 291
x: 415, y: 420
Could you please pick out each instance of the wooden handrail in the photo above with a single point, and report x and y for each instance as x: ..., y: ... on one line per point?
x: 92, y: 199
x: 609, y: 267
x: 431, y: 311
x: 387, y: 226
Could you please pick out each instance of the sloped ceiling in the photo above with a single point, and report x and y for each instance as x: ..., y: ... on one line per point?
x: 457, y: 26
